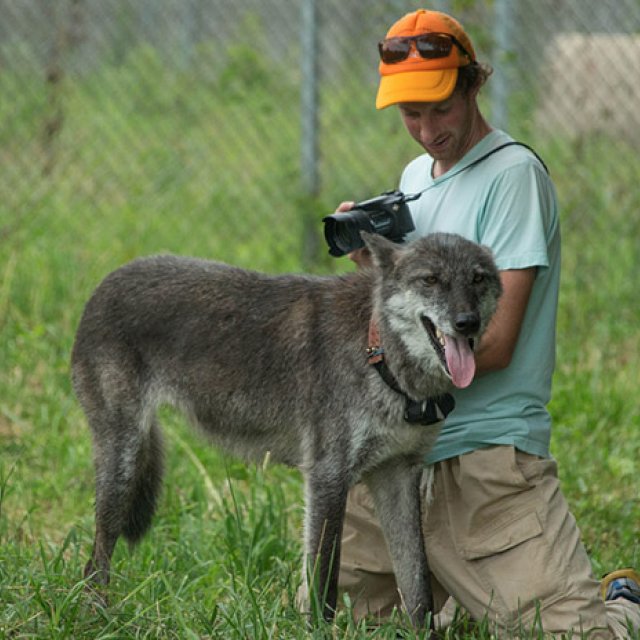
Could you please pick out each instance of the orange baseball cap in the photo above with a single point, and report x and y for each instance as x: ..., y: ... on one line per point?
x: 418, y: 79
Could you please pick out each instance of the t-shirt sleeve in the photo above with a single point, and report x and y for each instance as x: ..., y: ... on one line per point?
x: 518, y: 217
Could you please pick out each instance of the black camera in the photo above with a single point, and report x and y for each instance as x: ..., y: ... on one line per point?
x: 387, y: 215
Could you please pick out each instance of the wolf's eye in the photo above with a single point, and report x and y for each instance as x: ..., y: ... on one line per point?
x: 430, y: 280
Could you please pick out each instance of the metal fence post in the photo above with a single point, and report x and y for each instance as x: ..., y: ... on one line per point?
x: 309, y: 99
x: 309, y: 153
x: 500, y: 89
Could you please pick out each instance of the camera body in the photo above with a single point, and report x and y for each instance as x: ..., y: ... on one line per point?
x: 387, y: 215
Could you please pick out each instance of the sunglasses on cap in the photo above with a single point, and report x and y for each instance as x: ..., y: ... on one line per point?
x: 428, y: 45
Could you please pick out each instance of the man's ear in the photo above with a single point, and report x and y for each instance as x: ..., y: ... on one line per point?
x: 384, y: 253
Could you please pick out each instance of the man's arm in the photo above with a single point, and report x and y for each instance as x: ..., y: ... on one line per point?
x: 499, y: 341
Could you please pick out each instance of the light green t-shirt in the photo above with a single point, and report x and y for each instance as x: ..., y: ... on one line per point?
x: 508, y: 203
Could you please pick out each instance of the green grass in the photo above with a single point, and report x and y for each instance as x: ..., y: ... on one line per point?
x: 222, y: 559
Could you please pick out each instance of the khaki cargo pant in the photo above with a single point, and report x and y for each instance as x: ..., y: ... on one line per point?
x: 500, y: 539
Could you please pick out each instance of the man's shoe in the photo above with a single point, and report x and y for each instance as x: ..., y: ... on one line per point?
x: 624, y: 583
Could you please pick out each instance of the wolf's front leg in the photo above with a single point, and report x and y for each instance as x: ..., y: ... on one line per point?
x: 395, y: 488
x: 326, y: 499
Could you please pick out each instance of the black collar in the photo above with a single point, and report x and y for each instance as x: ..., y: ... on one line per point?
x: 423, y: 412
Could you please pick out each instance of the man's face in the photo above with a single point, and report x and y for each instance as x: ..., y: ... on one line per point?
x: 446, y: 130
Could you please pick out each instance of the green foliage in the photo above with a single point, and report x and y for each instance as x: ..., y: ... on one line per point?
x: 223, y: 557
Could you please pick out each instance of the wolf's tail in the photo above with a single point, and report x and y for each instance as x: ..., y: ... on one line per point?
x: 145, y: 486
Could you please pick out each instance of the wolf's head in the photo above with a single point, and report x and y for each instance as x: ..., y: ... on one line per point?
x: 436, y: 296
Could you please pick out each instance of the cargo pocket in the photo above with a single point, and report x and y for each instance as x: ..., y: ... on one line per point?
x: 510, y: 534
x: 498, y: 501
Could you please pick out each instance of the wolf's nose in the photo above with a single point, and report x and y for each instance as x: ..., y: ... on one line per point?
x: 467, y: 323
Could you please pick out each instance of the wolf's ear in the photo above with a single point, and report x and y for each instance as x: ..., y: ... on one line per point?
x: 383, y: 252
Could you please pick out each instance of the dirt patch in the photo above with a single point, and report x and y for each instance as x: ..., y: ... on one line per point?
x: 591, y: 83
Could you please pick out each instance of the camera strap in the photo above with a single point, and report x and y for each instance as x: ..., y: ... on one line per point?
x: 423, y: 412
x: 513, y: 143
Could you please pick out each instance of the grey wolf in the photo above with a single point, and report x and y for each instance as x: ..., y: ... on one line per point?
x: 278, y: 363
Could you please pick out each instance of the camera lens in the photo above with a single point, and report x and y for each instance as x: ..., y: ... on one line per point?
x: 347, y: 235
x: 342, y: 231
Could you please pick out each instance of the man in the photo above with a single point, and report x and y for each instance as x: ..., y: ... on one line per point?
x: 498, y: 532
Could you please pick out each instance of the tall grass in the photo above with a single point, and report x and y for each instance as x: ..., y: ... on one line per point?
x: 222, y: 559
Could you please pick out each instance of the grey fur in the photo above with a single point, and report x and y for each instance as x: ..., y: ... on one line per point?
x: 277, y: 364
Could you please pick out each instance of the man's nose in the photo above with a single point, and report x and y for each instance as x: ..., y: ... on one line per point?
x: 427, y: 128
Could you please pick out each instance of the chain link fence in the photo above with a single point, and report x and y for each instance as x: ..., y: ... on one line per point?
x: 247, y: 120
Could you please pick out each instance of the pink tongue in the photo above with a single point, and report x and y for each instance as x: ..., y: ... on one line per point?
x: 460, y: 361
